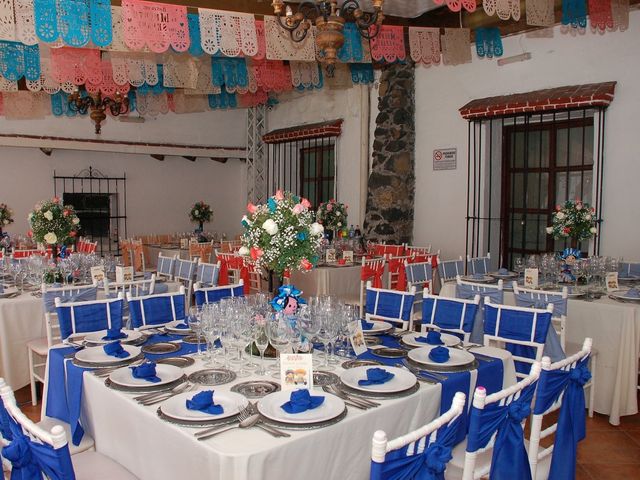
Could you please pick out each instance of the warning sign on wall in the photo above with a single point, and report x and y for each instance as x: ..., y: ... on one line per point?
x: 445, y: 159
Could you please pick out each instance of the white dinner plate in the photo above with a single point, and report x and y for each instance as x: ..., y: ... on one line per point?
x: 448, y: 339
x: 97, y: 355
x: 271, y: 407
x: 8, y: 291
x: 622, y: 295
x: 457, y: 357
x: 483, y: 279
x: 403, y: 380
x: 96, y: 337
x: 378, y: 327
x: 176, y: 407
x: 166, y: 373
x: 171, y: 327
x: 504, y: 275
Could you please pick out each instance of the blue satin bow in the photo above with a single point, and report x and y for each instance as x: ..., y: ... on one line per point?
x: 571, y: 421
x: 63, y: 252
x: 509, y: 458
x: 284, y: 292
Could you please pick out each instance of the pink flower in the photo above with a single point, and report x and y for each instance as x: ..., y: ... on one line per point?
x: 329, y: 207
x: 30, y: 233
x: 66, y: 212
x: 56, y: 199
x: 279, y: 195
x: 251, y: 208
x: 558, y: 208
x: 593, y: 210
x: 306, y: 264
x: 298, y: 209
x: 578, y: 205
x: 305, y: 203
x: 72, y: 233
x: 256, y: 253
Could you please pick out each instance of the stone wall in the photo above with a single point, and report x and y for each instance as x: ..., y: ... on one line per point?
x: 390, y: 192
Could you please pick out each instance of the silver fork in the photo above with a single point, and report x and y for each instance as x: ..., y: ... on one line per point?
x: 153, y: 395
x: 245, y: 413
x: 267, y: 428
x: 416, y: 371
x: 351, y: 398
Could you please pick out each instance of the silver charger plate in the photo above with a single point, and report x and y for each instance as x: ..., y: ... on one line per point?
x: 387, y: 352
x: 212, y: 376
x: 431, y: 368
x: 371, y: 340
x: 322, y: 378
x: 149, y: 389
x: 255, y: 389
x: 197, y: 423
x: 360, y: 363
x: 182, y: 362
x: 304, y: 426
x: 122, y: 363
x: 378, y: 396
x: 193, y: 339
x: 161, y: 347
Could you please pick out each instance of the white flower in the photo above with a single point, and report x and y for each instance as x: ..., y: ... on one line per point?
x: 243, y: 251
x: 51, y: 238
x: 339, y: 224
x: 337, y: 214
x: 6, y: 222
x: 48, y: 215
x: 560, y: 216
x: 76, y: 220
x: 316, y: 229
x: 270, y: 227
x: 30, y: 215
x: 549, y: 230
x: 587, y: 217
x: 593, y: 230
x: 196, y: 213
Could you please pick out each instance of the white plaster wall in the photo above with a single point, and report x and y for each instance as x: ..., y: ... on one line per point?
x: 562, y: 60
x: 324, y: 105
x: 159, y: 194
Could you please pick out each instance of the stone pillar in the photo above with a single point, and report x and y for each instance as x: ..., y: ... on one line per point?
x: 391, y: 186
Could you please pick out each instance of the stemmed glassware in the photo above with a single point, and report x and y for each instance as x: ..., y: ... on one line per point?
x: 518, y: 265
x: 280, y: 336
x: 194, y: 320
x: 261, y: 340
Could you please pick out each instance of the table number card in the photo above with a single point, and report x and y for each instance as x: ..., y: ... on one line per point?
x: 184, y: 243
x: 356, y: 337
x: 331, y: 255
x: 296, y: 371
x: 612, y: 281
x: 97, y: 274
x: 347, y: 256
x: 124, y: 274
x: 531, y: 278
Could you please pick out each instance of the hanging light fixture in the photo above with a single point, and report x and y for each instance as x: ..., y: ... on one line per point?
x: 329, y: 19
x: 118, y: 105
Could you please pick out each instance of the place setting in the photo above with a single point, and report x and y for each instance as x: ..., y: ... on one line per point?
x: 440, y: 358
x: 146, y: 377
x: 378, y: 382
x: 626, y: 295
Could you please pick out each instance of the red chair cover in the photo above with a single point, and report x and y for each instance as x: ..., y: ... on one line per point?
x: 237, y: 263
x: 396, y: 266
x: 372, y: 273
x: 223, y: 275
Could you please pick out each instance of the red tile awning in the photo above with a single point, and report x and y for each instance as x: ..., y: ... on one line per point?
x: 332, y: 128
x: 561, y: 98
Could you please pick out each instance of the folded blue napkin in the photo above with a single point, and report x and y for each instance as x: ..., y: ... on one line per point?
x: 432, y: 338
x: 376, y: 376
x: 367, y: 325
x: 146, y: 371
x: 114, y: 334
x: 181, y: 326
x: 114, y: 349
x: 439, y: 354
x: 633, y: 293
x: 203, y: 402
x: 301, y: 401
x: 503, y: 271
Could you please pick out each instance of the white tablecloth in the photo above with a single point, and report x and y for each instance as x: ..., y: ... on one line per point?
x: 152, y: 449
x: 343, y: 282
x: 615, y: 330
x: 22, y: 320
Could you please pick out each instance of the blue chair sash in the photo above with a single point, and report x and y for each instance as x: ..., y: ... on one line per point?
x: 531, y: 300
x: 427, y: 465
x: 90, y: 317
x: 29, y: 459
x: 509, y: 459
x: 214, y: 295
x: 156, y: 310
x: 389, y: 304
x: 516, y: 325
x: 448, y: 313
x: 81, y: 294
x: 468, y: 292
x: 571, y: 426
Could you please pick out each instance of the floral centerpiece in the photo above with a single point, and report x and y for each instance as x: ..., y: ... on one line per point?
x: 332, y: 215
x: 575, y: 220
x: 200, y: 213
x: 281, y: 234
x: 6, y: 216
x: 53, y: 223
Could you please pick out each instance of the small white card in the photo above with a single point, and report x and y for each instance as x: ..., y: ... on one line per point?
x: 331, y: 255
x: 347, y: 256
x: 356, y: 337
x: 184, y: 243
x: 124, y: 274
x: 612, y: 281
x: 530, y: 278
x: 296, y: 371
x: 97, y: 274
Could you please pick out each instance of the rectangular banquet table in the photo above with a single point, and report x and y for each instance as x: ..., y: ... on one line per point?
x: 21, y: 321
x: 615, y: 330
x: 151, y: 448
x: 342, y: 281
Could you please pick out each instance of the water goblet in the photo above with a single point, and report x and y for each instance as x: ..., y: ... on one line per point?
x: 194, y: 320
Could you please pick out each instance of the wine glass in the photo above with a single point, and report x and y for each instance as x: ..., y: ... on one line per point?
x: 261, y: 340
x: 280, y: 336
x: 519, y: 265
x: 194, y: 320
x: 325, y: 335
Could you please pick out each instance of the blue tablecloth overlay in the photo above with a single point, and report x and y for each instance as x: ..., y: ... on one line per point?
x: 64, y: 393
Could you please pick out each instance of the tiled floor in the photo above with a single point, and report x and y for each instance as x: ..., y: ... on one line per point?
x: 608, y: 452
